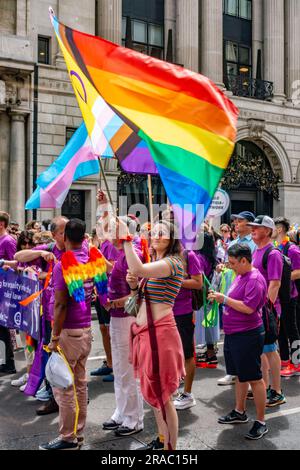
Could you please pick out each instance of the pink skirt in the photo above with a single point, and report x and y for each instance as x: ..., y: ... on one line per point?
x: 157, y: 387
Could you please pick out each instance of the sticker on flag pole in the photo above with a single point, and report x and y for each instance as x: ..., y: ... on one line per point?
x: 219, y: 205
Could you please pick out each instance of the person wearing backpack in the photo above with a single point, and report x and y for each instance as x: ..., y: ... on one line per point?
x: 184, y: 318
x: 289, y: 335
x: 269, y: 262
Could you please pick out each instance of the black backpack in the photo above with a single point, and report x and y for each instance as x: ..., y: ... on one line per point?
x: 285, y: 251
x: 285, y: 288
x: 197, y: 295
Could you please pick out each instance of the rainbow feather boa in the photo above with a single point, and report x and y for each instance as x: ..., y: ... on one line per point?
x: 75, y: 274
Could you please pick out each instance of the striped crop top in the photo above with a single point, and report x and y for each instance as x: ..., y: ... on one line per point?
x: 165, y: 290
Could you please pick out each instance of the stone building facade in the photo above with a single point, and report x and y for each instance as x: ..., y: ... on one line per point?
x: 248, y: 48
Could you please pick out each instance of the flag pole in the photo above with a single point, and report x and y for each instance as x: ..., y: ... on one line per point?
x: 150, y: 199
x: 102, y: 173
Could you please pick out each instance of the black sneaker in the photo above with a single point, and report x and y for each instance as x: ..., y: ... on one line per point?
x: 234, y: 418
x: 110, y: 425
x: 257, y: 432
x: 7, y: 370
x: 275, y: 399
x: 125, y: 431
x: 59, y: 444
x: 154, y: 445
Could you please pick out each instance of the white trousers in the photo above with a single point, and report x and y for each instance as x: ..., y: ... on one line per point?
x: 129, y: 402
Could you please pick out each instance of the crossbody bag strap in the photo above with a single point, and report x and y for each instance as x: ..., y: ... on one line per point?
x: 155, y: 359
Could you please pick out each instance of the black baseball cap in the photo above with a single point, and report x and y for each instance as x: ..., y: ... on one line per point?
x: 244, y: 215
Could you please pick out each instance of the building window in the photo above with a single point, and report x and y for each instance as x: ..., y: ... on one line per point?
x: 43, y: 50
x: 238, y: 8
x: 238, y: 59
x: 147, y: 38
x: 70, y: 131
x: 74, y: 205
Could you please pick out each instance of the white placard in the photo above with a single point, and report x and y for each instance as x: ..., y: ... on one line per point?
x: 219, y: 205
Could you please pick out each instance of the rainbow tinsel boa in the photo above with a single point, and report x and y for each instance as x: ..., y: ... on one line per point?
x: 76, y: 273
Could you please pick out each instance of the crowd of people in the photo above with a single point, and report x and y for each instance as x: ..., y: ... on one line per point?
x: 163, y: 303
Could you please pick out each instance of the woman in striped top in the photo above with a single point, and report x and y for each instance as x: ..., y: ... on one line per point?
x: 157, y: 349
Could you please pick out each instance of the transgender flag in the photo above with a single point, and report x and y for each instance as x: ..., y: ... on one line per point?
x: 77, y: 160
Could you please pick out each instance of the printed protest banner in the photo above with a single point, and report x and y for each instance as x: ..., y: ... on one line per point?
x: 15, y: 287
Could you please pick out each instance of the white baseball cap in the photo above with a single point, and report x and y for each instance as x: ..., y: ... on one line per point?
x: 263, y: 221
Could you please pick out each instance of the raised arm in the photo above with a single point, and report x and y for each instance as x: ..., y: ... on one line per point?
x: 158, y: 269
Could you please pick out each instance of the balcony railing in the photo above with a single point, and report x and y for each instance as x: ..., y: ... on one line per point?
x: 249, y: 87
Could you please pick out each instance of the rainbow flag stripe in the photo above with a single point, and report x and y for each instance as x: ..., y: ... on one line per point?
x: 187, y: 123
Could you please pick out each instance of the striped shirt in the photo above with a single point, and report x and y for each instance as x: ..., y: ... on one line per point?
x: 165, y: 290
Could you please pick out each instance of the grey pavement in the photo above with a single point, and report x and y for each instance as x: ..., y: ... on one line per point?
x: 20, y: 428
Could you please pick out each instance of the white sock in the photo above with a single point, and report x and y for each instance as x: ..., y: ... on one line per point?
x: 261, y: 422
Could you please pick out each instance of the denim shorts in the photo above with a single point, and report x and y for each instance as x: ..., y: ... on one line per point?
x: 269, y: 348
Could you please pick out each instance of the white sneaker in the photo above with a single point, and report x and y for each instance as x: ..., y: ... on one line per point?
x: 227, y: 380
x: 20, y: 381
x: 185, y: 401
x: 22, y: 388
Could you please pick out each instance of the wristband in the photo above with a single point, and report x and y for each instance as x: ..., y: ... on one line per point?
x: 133, y: 290
x: 55, y: 338
x: 225, y: 299
x: 129, y: 238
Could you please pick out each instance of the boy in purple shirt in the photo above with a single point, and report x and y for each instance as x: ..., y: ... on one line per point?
x: 47, y: 253
x: 128, y: 417
x: 183, y: 313
x: 289, y: 335
x: 72, y: 332
x: 244, y: 337
x: 111, y: 254
x: 7, y: 251
x: 262, y: 232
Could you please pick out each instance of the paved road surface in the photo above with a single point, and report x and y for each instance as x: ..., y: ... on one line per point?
x: 20, y: 428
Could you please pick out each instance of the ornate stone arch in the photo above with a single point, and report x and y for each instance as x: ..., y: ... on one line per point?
x: 298, y: 174
x: 274, y: 151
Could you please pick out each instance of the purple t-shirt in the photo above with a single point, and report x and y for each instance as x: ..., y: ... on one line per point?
x: 76, y: 317
x: 205, y: 264
x: 251, y: 289
x: 48, y: 297
x: 8, y: 247
x: 109, y: 251
x: 274, y: 267
x: 294, y: 255
x: 117, y: 284
x: 184, y: 302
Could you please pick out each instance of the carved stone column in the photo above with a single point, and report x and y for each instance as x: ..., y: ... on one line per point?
x: 293, y: 45
x: 257, y: 31
x: 212, y: 40
x: 110, y: 20
x: 274, y: 46
x: 17, y: 168
x: 187, y: 34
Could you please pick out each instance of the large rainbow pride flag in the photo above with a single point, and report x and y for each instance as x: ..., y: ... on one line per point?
x: 181, y: 117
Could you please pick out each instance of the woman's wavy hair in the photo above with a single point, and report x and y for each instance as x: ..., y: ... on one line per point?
x: 25, y: 235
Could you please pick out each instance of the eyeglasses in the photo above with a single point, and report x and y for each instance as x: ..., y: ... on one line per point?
x: 224, y: 231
